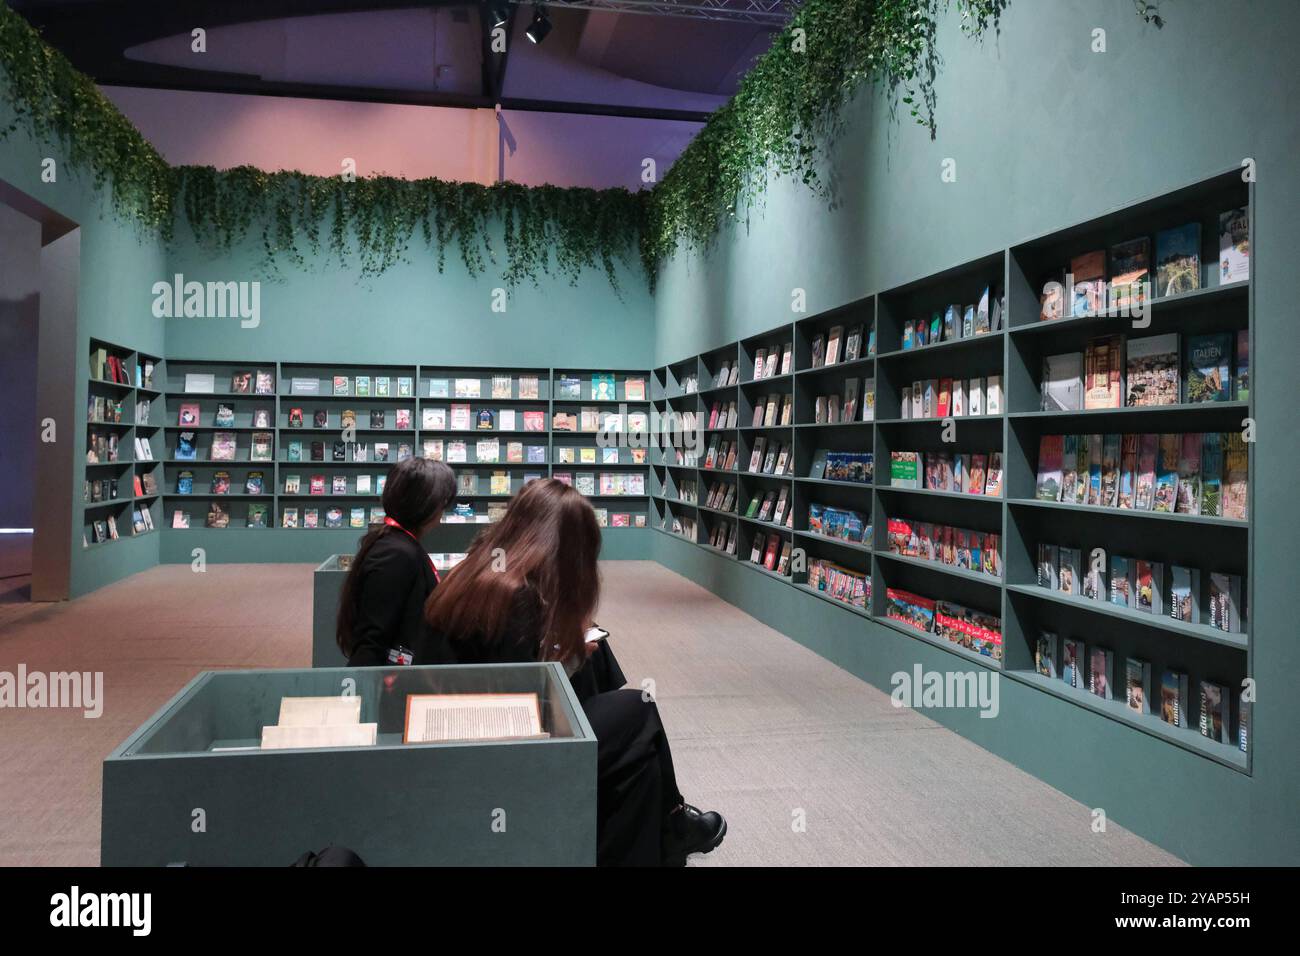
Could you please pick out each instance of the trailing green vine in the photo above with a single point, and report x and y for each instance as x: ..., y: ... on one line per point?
x: 788, y: 108
x: 786, y: 113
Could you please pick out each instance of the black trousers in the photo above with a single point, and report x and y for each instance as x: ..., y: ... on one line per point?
x: 635, y: 783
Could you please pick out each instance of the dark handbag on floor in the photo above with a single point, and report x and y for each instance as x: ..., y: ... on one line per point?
x: 330, y: 856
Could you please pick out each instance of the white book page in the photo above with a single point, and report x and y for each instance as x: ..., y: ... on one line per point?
x: 319, y: 711
x: 329, y: 735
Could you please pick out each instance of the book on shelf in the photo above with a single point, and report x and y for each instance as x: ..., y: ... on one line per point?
x: 468, y: 388
x: 1072, y: 662
x: 1241, y: 382
x: 1234, y: 490
x: 1137, y: 685
x: 1209, y: 367
x: 1130, y: 271
x: 1045, y: 654
x: 1224, y: 604
x: 1185, y: 594
x: 1103, y: 373
x: 1152, y: 371
x: 200, y: 382
x: 1173, y: 698
x: 1050, y: 454
x: 1062, y: 382
x: 1169, y: 455
x: 1215, y: 718
x: 439, y: 388
x: 1148, y: 586
x: 1121, y: 581
x: 1234, y: 245
x: 1089, y: 273
x: 1101, y: 670
x: 1178, y: 259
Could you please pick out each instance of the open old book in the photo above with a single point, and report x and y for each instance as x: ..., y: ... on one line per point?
x: 437, y: 718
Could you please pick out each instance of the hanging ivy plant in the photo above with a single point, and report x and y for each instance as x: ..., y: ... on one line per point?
x: 788, y: 108
x: 786, y: 113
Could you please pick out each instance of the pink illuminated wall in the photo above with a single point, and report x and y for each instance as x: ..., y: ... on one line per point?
x: 274, y: 133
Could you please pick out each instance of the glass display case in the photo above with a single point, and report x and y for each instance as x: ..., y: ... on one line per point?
x: 192, y: 785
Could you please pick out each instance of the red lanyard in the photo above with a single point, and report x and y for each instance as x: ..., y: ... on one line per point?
x: 392, y: 523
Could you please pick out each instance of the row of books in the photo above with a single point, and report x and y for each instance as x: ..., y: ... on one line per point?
x: 364, y: 386
x: 1091, y: 288
x: 99, y: 489
x: 101, y: 530
x: 723, y: 535
x: 102, y: 447
x: 766, y: 362
x: 682, y: 526
x: 258, y: 382
x: 316, y: 484
x: 486, y: 451
x: 103, y: 411
x: 380, y: 451
x: 1148, y: 372
x: 952, y: 397
x: 956, y: 322
x: 968, y: 473
x: 224, y: 447
x: 842, y: 524
x: 221, y: 483
x: 835, y: 409
x: 725, y: 415
x: 588, y: 454
x: 190, y: 415
x: 1145, y: 585
x: 721, y: 495
x: 721, y: 454
x: 768, y: 457
x: 944, y: 544
x: 976, y: 631
x: 595, y: 420
x: 1092, y: 669
x: 773, y: 555
x: 468, y: 485
x: 770, y: 411
x: 610, y: 484
x: 105, y: 367
x: 604, y: 388
x: 771, y: 505
x: 826, y: 347
x: 853, y: 467
x: 1194, y: 473
x: 847, y: 585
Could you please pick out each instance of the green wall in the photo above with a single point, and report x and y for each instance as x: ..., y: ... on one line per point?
x: 1046, y: 133
x: 118, y: 266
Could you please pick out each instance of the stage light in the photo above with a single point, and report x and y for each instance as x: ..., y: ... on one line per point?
x: 540, y: 26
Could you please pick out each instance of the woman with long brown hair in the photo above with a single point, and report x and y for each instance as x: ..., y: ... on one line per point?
x: 381, y: 610
x: 528, y: 591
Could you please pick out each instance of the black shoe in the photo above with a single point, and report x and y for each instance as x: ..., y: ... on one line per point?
x: 688, y: 830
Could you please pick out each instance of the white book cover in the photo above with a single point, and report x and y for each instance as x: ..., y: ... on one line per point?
x: 1063, y: 382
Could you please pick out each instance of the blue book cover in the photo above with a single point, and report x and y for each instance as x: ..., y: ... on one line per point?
x: 1209, y: 367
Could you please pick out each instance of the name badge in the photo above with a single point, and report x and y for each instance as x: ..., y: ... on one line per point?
x: 401, y: 655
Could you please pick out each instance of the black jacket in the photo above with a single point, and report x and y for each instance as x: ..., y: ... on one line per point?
x: 395, y: 579
x: 522, y: 643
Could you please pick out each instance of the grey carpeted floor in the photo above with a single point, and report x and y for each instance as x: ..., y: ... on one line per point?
x: 810, y: 765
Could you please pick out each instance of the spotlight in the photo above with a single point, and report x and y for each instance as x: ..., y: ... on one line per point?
x: 500, y: 13
x: 540, y: 26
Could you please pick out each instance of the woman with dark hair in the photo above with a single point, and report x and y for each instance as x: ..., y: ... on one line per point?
x: 527, y: 591
x: 381, y: 611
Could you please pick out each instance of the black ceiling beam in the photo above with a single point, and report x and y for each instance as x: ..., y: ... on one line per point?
x: 93, y: 37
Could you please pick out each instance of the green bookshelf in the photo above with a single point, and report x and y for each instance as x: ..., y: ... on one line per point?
x: 1009, y: 356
